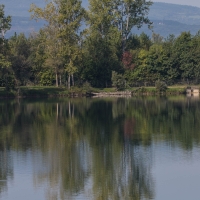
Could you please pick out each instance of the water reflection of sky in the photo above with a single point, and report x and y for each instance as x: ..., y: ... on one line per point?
x: 22, y: 185
x: 176, y: 174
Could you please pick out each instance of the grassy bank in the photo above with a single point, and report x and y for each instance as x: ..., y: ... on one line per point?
x: 173, y: 90
x: 39, y: 91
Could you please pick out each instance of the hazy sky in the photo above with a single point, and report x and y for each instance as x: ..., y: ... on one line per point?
x: 183, y: 2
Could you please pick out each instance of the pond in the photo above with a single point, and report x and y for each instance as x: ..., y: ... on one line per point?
x: 100, y: 148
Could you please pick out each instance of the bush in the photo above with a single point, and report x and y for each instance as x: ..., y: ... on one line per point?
x: 8, y: 82
x: 46, y: 78
x: 87, y: 87
x: 161, y: 86
x: 118, y: 81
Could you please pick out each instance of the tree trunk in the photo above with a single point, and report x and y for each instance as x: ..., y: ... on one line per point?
x: 73, y: 79
x: 60, y: 81
x: 68, y: 81
x: 73, y: 111
x: 56, y: 79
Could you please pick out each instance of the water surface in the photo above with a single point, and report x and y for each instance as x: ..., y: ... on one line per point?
x: 112, y: 148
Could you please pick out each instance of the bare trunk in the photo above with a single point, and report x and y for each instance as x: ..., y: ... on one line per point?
x: 60, y: 81
x: 122, y: 34
x: 126, y: 31
x: 73, y: 112
x: 127, y: 22
x: 69, y: 82
x: 56, y: 79
x: 73, y: 79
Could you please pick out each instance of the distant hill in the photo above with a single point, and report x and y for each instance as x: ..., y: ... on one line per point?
x: 167, y: 18
x: 21, y: 7
x: 172, y: 19
x: 25, y: 25
x: 189, y: 15
x: 167, y: 27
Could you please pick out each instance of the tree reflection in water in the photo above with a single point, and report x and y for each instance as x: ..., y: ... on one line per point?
x: 85, y: 154
x: 94, y: 148
x: 6, y: 168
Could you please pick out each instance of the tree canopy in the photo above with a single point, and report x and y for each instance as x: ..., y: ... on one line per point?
x: 95, y: 46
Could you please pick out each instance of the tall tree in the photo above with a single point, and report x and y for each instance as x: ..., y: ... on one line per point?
x: 109, y: 26
x: 71, y: 15
x: 102, y: 42
x: 5, y: 25
x: 19, y: 55
x: 5, y: 22
x: 131, y: 13
x: 182, y: 59
x: 52, y: 41
x: 64, y: 20
x: 38, y: 56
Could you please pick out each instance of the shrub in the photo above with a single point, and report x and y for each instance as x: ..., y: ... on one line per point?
x: 46, y: 78
x: 118, y: 81
x: 87, y: 87
x: 161, y: 86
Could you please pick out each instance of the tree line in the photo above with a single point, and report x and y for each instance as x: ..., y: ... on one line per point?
x: 97, y: 46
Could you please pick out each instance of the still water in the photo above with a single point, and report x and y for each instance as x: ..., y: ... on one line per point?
x: 112, y: 148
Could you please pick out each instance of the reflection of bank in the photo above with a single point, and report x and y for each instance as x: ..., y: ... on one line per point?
x: 192, y: 92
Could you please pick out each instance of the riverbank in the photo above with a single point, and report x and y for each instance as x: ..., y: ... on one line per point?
x: 37, y: 91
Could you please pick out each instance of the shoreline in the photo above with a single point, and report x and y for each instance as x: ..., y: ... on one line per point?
x: 45, y: 92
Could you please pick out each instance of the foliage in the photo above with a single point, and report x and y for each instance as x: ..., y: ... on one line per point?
x: 19, y: 55
x: 118, y: 81
x: 87, y: 87
x: 160, y: 86
x: 5, y: 25
x: 127, y: 59
x: 46, y: 78
x: 62, y: 54
x: 61, y: 41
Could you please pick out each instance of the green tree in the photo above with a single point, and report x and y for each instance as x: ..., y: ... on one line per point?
x: 118, y: 81
x: 5, y: 25
x: 109, y: 27
x: 38, y: 56
x: 20, y: 49
x: 195, y: 52
x: 102, y: 43
x: 182, y: 66
x: 64, y: 20
x: 168, y: 59
x: 156, y: 38
x: 131, y: 13
x: 71, y: 16
x: 145, y: 41
x: 52, y: 42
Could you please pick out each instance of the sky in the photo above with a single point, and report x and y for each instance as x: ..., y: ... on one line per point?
x: 182, y: 2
